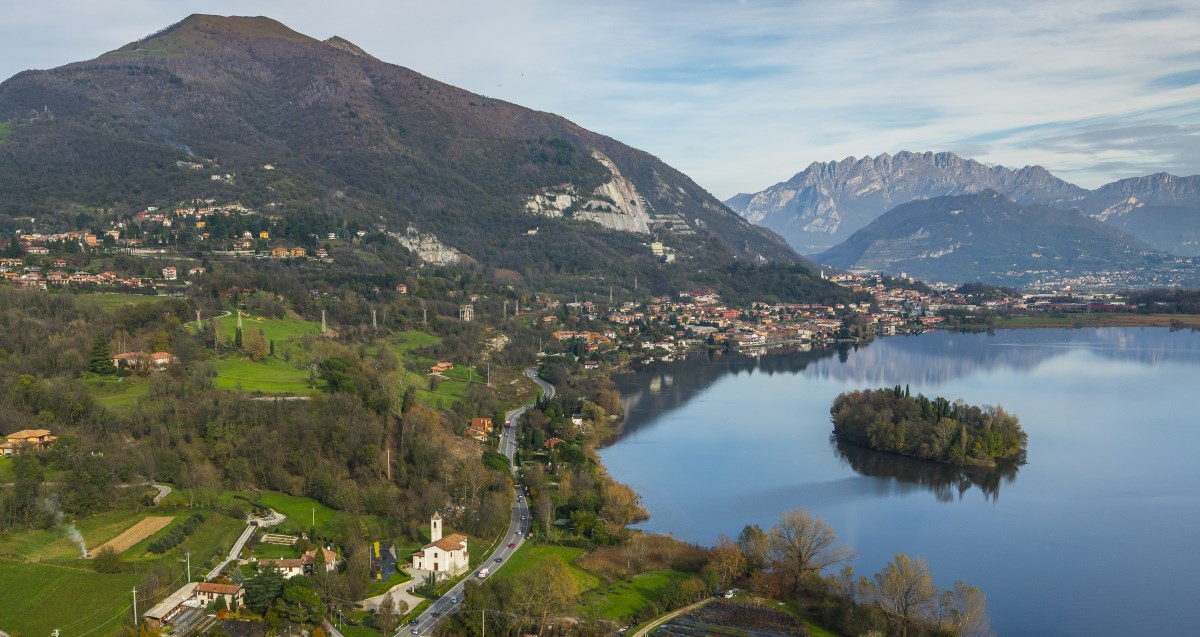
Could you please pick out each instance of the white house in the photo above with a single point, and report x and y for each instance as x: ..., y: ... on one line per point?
x: 289, y: 567
x: 443, y: 555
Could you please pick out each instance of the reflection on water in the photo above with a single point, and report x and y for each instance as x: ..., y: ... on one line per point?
x: 1096, y: 537
x: 947, y: 482
x: 928, y: 359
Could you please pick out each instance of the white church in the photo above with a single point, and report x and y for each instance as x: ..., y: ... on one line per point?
x: 445, y: 556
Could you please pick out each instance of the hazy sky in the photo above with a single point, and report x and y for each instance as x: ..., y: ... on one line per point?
x: 742, y: 94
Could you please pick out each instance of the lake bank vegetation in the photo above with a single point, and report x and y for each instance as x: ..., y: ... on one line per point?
x: 892, y: 420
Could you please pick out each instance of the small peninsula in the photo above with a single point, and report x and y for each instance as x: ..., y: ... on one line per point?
x: 892, y: 420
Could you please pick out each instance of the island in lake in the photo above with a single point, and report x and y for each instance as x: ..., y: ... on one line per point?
x: 892, y: 420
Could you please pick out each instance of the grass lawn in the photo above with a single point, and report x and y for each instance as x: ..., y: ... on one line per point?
x: 77, y: 600
x: 300, y: 513
x: 113, y: 302
x: 279, y: 330
x: 358, y: 631
x: 6, y: 470
x: 211, y: 539
x: 58, y: 590
x: 404, y: 343
x: 270, y: 376
x: 624, y: 598
x: 264, y: 551
x: 817, y: 631
x: 530, y: 556
x: 118, y: 393
x: 54, y: 544
x: 5, y: 130
x: 379, y: 588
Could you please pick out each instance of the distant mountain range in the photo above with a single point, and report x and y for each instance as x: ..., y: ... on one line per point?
x: 319, y: 133
x: 827, y: 202
x: 989, y: 237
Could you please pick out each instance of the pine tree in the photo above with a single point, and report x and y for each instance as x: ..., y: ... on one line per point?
x: 100, y: 357
x: 237, y: 338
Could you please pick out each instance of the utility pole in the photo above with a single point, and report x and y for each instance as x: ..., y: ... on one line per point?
x: 314, y: 524
x: 489, y: 373
x: 389, y: 464
x: 135, y: 619
x: 189, y: 561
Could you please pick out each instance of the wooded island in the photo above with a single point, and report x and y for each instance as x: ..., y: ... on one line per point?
x: 893, y: 420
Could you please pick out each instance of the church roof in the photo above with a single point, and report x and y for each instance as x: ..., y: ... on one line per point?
x: 453, y: 542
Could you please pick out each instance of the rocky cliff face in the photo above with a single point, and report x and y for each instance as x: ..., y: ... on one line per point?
x: 828, y: 201
x: 1161, y: 209
x: 615, y: 204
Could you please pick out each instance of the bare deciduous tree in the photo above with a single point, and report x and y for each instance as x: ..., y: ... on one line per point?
x: 803, y: 545
x: 904, y: 589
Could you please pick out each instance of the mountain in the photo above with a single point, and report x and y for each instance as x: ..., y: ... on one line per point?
x: 1161, y: 209
x: 988, y: 237
x: 322, y: 135
x: 828, y: 201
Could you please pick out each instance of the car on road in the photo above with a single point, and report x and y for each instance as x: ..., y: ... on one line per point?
x: 414, y: 631
x: 498, y: 559
x: 522, y: 517
x: 412, y: 622
x: 512, y: 545
x: 437, y: 614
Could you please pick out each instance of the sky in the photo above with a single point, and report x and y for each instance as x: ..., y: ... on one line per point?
x: 743, y: 94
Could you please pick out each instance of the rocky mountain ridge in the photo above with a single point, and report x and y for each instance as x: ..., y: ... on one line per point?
x: 828, y: 201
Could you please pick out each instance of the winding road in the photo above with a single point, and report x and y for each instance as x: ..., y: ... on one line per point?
x: 518, y: 525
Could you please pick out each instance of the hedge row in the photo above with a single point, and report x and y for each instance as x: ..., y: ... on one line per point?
x: 176, y: 535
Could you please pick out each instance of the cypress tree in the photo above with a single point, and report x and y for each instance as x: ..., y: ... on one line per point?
x: 100, y: 357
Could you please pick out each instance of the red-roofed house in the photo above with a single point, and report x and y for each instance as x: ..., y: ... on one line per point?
x: 207, y: 592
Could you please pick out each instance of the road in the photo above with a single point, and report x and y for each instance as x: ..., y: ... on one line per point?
x: 518, y: 526
x: 253, y: 525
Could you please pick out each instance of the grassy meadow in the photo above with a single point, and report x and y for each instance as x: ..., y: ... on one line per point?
x: 50, y: 571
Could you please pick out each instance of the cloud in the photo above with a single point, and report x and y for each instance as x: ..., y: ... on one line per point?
x: 740, y: 95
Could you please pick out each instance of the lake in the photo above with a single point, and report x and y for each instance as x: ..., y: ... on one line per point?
x: 1096, y: 535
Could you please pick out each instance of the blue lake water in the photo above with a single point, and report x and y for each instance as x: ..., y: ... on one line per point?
x: 1099, y: 534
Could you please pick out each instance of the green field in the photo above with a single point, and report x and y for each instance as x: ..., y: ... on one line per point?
x: 286, y: 332
x: 530, y: 556
x: 59, y: 590
x: 74, y: 599
x: 5, y: 131
x: 269, y: 376
x: 273, y: 374
x: 114, y: 302
x: 624, y: 598
x: 118, y: 393
x: 301, y: 511
x: 6, y: 470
